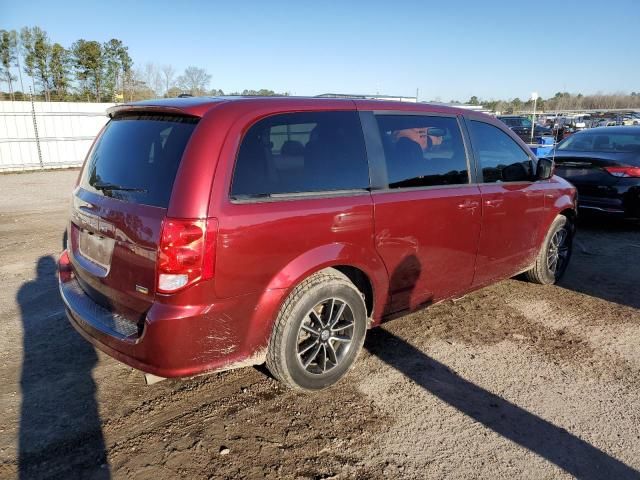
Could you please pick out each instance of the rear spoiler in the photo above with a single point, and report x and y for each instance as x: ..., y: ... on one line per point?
x: 120, y: 109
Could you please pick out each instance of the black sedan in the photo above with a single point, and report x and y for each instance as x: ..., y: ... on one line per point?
x: 604, y: 165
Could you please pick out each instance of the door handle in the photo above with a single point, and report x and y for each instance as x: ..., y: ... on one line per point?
x: 493, y: 203
x: 468, y: 205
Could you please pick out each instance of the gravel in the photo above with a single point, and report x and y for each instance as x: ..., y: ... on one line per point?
x: 512, y: 381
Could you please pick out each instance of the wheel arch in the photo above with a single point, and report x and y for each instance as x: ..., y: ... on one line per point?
x: 362, y: 282
x: 572, y: 216
x: 364, y: 268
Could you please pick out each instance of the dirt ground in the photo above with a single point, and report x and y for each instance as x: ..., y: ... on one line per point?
x: 513, y: 381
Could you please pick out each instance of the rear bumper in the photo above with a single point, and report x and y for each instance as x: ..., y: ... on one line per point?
x: 175, y: 341
x: 619, y: 200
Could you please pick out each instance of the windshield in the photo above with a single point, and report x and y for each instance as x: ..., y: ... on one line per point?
x: 602, y: 142
x: 137, y: 157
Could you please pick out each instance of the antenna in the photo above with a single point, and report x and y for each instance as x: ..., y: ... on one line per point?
x: 555, y: 141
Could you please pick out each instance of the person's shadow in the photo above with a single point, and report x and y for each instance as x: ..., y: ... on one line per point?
x: 60, y: 431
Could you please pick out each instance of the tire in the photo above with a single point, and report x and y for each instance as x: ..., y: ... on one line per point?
x: 558, y: 243
x: 305, y: 352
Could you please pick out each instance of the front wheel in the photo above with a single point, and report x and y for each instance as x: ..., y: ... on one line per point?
x: 554, y: 256
x: 318, y: 333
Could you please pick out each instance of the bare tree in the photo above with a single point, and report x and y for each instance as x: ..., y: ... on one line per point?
x: 152, y: 77
x: 139, y: 88
x: 168, y: 76
x: 194, y: 80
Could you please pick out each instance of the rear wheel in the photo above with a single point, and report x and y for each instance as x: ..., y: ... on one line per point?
x: 318, y: 333
x: 554, y: 256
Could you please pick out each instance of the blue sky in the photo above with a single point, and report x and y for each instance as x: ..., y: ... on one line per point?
x: 448, y: 49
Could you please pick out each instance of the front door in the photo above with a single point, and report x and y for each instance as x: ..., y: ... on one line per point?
x: 427, y: 219
x: 512, y: 204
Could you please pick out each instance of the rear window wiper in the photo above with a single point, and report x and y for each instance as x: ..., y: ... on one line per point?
x: 113, y: 186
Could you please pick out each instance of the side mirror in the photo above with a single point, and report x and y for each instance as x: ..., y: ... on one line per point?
x: 545, y: 168
x: 515, y: 172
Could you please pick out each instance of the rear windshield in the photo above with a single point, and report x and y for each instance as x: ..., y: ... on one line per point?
x: 137, y: 157
x: 517, y: 122
x: 602, y: 141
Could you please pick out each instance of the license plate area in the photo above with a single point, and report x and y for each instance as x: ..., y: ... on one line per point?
x: 96, y: 248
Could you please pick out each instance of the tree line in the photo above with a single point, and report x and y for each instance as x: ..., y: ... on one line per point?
x: 561, y: 101
x: 91, y: 71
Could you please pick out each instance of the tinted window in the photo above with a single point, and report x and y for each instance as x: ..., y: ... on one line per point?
x: 301, y: 152
x: 137, y: 157
x: 422, y: 151
x: 516, y: 121
x: 602, y: 141
x: 501, y: 158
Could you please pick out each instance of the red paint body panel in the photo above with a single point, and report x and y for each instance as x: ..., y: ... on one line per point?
x: 428, y: 240
x: 185, y: 340
x: 414, y: 246
x: 288, y: 233
x: 512, y: 217
x: 135, y: 230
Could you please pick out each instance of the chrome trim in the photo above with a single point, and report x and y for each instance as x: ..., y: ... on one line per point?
x: 601, y: 209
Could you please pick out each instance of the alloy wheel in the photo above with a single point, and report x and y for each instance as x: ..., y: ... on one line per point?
x: 325, y: 336
x: 558, y: 252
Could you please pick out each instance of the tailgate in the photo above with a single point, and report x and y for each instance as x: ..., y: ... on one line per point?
x: 120, y: 204
x: 113, y: 247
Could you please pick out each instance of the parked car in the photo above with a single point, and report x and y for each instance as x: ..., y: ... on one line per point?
x: 522, y: 127
x: 605, y: 122
x: 563, y: 126
x: 580, y: 122
x: 207, y: 234
x: 604, y: 164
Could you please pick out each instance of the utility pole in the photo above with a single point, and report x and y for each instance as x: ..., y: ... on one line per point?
x: 35, y: 128
x: 534, y: 97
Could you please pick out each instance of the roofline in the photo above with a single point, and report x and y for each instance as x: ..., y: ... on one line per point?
x: 616, y: 128
x: 199, y: 106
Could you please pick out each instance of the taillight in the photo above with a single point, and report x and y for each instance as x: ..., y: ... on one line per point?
x: 624, y: 171
x: 186, y: 253
x: 64, y: 267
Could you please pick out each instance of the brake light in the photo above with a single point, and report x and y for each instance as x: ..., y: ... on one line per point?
x: 64, y: 267
x: 186, y: 253
x: 623, y: 171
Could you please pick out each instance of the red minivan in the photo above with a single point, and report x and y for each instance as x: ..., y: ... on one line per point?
x: 212, y: 233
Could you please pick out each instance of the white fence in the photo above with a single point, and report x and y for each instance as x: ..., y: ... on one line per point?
x: 47, y: 134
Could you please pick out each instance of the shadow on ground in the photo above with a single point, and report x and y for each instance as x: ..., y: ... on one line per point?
x: 59, y: 423
x: 555, y: 444
x: 605, y: 260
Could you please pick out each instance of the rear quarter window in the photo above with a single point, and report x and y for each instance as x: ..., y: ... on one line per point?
x: 137, y: 157
x: 301, y: 152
